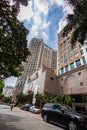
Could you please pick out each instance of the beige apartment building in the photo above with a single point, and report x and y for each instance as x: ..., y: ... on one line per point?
x: 70, y: 58
x: 72, y: 66
x: 74, y: 82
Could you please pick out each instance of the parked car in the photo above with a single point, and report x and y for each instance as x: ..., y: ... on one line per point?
x: 63, y: 115
x: 34, y: 109
x: 25, y: 107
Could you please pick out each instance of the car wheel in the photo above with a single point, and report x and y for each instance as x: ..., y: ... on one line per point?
x: 45, y: 118
x: 72, y: 126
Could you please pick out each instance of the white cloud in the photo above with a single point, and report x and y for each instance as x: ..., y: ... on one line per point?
x: 26, y: 12
x: 42, y: 6
x: 45, y: 36
x: 66, y: 10
x: 45, y: 24
x: 62, y: 23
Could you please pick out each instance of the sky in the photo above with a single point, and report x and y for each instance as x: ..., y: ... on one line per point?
x: 44, y: 19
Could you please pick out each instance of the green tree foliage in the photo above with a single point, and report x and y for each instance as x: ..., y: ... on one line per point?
x: 22, y: 99
x: 6, y: 99
x: 84, y: 98
x: 1, y: 86
x: 77, y: 21
x: 62, y: 99
x: 1, y: 96
x: 16, y: 5
x: 13, y: 43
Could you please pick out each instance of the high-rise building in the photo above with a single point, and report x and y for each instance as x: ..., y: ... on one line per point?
x: 41, y: 55
x: 8, y: 91
x: 68, y: 57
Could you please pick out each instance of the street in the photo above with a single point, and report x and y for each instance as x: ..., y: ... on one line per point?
x: 22, y: 120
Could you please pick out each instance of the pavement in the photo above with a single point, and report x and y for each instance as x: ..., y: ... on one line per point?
x: 18, y: 119
x: 37, y: 116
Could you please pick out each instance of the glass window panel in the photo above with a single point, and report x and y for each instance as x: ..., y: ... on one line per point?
x: 86, y: 49
x: 78, y: 63
x: 62, y: 70
x: 84, y: 60
x: 82, y: 52
x: 72, y: 66
x: 66, y: 68
x: 75, y: 49
x: 70, y: 58
x: 76, y: 54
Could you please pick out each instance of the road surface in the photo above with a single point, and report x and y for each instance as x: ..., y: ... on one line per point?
x: 22, y: 120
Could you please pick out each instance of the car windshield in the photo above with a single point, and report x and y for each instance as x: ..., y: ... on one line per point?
x: 67, y: 108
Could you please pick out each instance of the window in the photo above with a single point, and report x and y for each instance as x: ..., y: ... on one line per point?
x: 65, y: 61
x: 81, y: 83
x: 72, y: 66
x: 84, y: 60
x: 82, y: 52
x: 57, y: 107
x: 58, y: 71
x: 61, y: 63
x: 76, y: 55
x: 78, y: 63
x: 64, y: 45
x: 70, y: 58
x: 65, y: 50
x: 86, y: 49
x: 75, y: 49
x: 61, y: 58
x: 69, y: 47
x: 79, y: 73
x: 69, y: 52
x: 64, y: 55
x: 85, y: 44
x: 51, y: 78
x: 62, y: 70
x: 66, y: 68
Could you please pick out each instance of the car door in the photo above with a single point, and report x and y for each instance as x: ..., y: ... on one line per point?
x: 62, y: 117
x: 57, y: 114
x: 50, y: 113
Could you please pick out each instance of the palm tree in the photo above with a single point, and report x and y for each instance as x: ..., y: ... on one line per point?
x: 77, y: 21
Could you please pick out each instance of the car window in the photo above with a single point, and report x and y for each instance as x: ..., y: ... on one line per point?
x: 67, y: 108
x: 58, y: 107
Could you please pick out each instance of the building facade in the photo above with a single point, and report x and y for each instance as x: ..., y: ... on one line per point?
x: 41, y: 55
x: 8, y: 91
x: 42, y: 81
x: 74, y: 82
x: 70, y: 58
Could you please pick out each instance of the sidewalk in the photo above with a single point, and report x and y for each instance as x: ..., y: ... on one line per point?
x: 36, y: 116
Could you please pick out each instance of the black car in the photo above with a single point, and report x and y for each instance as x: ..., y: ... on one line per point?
x: 64, y: 116
x: 25, y: 107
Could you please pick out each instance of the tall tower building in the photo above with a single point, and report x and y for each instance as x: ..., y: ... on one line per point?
x: 41, y: 55
x: 69, y: 58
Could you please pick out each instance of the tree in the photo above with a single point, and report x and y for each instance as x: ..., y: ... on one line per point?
x: 13, y: 43
x: 16, y: 5
x: 1, y: 86
x: 77, y: 21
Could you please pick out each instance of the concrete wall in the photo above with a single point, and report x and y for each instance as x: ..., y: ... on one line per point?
x: 45, y: 81
x: 51, y: 83
x: 75, y: 81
